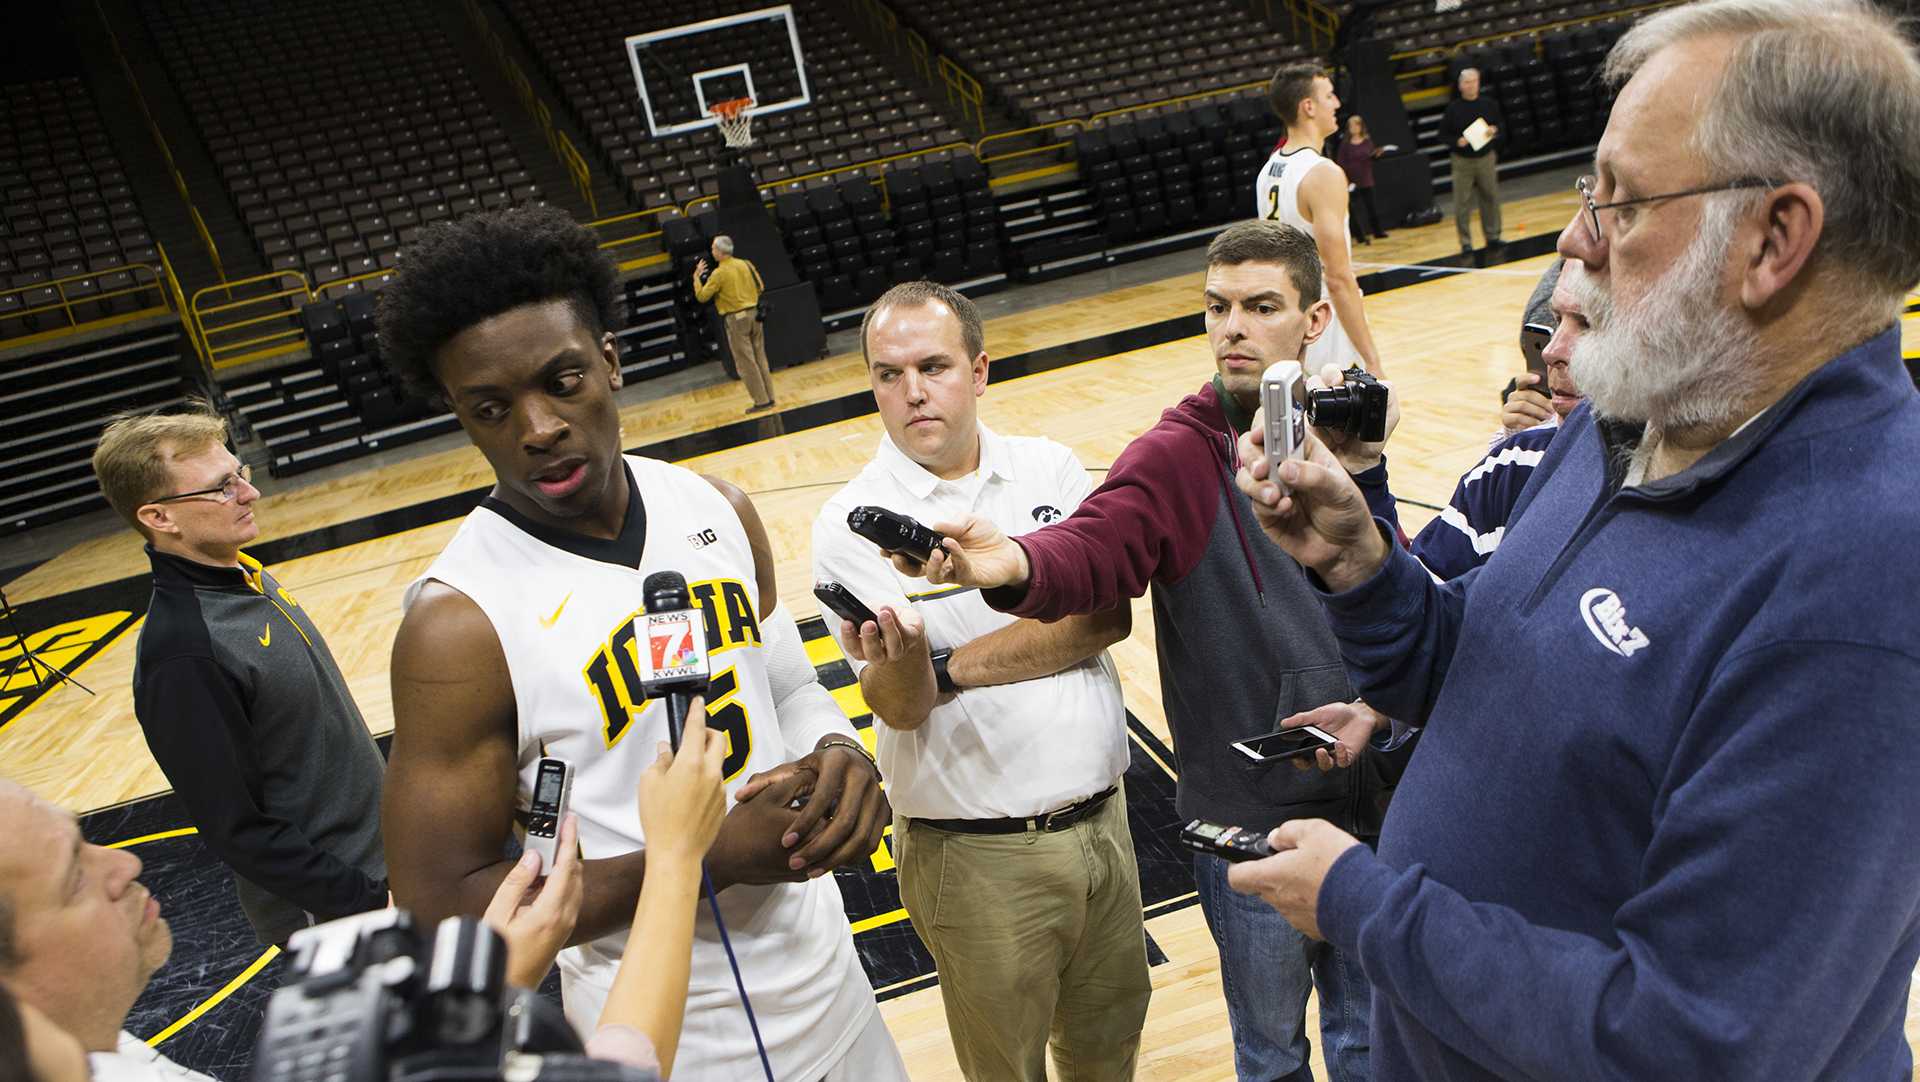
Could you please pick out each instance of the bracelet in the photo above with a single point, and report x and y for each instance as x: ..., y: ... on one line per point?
x: 858, y: 749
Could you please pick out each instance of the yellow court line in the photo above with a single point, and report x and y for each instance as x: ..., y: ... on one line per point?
x: 180, y: 833
x: 213, y: 1001
x: 881, y: 921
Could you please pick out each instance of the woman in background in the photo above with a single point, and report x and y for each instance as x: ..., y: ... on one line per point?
x: 1356, y: 156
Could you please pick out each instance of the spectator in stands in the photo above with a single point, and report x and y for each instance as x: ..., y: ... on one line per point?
x: 1356, y: 157
x: 1301, y: 188
x: 1168, y: 518
x: 1469, y: 119
x: 987, y: 806
x: 735, y: 288
x: 33, y: 1049
x: 242, y: 704
x: 1465, y: 534
x: 1681, y: 866
x: 79, y: 936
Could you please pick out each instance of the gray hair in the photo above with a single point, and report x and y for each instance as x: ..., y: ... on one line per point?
x: 1464, y: 72
x: 1825, y: 92
x: 723, y: 244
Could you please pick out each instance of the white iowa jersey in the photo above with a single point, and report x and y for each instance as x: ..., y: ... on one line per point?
x: 565, y: 623
x: 1277, y: 198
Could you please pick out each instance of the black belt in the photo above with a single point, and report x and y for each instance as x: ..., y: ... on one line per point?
x: 1059, y: 819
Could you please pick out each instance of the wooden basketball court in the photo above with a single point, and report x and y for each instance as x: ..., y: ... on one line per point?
x: 1450, y: 343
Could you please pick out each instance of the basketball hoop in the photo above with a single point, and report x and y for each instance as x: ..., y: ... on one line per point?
x: 735, y: 122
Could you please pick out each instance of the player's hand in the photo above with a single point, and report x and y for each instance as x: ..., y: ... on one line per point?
x: 534, y: 915
x: 1460, y: 142
x: 748, y: 849
x: 1525, y: 407
x: 682, y: 799
x: 844, y: 815
x: 1350, y: 724
x: 1290, y: 879
x: 1355, y: 456
x: 974, y: 553
x: 1323, y: 521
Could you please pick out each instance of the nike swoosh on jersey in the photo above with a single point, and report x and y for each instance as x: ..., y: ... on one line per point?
x: 266, y: 634
x: 549, y: 621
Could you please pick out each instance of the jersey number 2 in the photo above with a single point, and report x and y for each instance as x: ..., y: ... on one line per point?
x: 1273, y: 203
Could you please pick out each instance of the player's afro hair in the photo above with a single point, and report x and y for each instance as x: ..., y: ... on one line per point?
x: 460, y: 273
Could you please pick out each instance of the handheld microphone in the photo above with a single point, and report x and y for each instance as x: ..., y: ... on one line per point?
x: 671, y: 640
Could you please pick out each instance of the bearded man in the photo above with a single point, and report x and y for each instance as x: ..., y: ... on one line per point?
x: 1669, y: 725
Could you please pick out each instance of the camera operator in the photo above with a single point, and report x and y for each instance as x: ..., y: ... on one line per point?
x: 1169, y: 518
x: 1683, y: 870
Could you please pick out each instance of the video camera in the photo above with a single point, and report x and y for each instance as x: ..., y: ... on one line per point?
x: 369, y: 999
x: 1358, y: 407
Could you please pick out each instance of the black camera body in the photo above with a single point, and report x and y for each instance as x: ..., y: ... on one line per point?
x: 370, y: 999
x: 1358, y: 407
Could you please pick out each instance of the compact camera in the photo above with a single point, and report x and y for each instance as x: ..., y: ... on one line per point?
x: 1358, y: 407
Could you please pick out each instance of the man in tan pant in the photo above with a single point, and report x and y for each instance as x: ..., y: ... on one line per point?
x: 737, y: 286
x: 1003, y: 741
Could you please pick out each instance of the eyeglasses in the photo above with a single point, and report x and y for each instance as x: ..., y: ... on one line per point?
x: 226, y: 490
x: 1586, y: 184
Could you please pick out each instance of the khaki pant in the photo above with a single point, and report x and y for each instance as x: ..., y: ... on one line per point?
x: 747, y: 339
x: 1475, y: 180
x: 1037, y: 936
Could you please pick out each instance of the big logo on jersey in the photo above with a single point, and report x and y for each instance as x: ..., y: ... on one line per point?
x: 613, y: 673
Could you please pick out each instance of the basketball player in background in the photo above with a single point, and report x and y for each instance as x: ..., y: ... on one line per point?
x: 1308, y: 191
x: 517, y: 644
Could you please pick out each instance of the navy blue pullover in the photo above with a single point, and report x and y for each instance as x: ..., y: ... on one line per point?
x: 1661, y: 823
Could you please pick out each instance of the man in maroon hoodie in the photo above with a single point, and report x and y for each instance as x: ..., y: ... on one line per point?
x: 1170, y: 517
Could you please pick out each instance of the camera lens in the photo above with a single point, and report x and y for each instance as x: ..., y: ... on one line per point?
x: 1335, y: 408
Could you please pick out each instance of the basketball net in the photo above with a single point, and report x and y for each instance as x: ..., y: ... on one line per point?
x: 735, y: 123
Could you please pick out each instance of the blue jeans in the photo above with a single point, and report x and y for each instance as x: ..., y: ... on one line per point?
x: 1266, y: 968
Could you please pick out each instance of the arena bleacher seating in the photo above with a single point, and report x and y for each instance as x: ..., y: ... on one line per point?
x: 339, y: 129
x: 1087, y: 57
x: 859, y: 112
x: 69, y: 214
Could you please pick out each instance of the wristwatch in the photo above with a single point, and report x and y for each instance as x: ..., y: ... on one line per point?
x: 942, y: 679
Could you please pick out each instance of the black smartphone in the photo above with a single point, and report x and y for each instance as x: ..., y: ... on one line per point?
x: 893, y: 532
x: 844, y: 605
x: 1533, y: 345
x: 1285, y: 744
x: 1229, y: 843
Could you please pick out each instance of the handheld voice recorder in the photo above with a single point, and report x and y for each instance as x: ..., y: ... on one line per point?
x: 1229, y: 843
x: 894, y: 532
x: 1283, y: 395
x: 844, y: 605
x: 552, y: 788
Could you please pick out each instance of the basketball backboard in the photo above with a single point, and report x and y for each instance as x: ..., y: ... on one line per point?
x: 682, y: 71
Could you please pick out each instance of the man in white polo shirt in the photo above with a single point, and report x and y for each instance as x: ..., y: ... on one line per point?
x: 1002, y: 741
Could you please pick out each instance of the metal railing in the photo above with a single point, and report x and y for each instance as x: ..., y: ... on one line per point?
x: 159, y: 140
x: 557, y: 141
x: 1082, y: 123
x: 1310, y: 23
x: 965, y: 89
x: 622, y: 225
x: 178, y: 302
x: 65, y: 302
x: 857, y: 167
x: 283, y: 331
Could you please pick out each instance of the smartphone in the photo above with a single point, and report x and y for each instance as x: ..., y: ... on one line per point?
x: 1283, y: 395
x: 894, y: 532
x: 1285, y: 744
x: 552, y: 790
x: 1533, y: 345
x: 844, y: 605
x: 1229, y: 843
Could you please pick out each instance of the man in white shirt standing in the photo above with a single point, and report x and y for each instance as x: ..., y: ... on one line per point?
x: 80, y: 936
x: 1003, y: 741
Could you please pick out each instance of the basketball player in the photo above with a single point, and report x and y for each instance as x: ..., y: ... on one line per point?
x: 1305, y: 190
x: 517, y: 643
